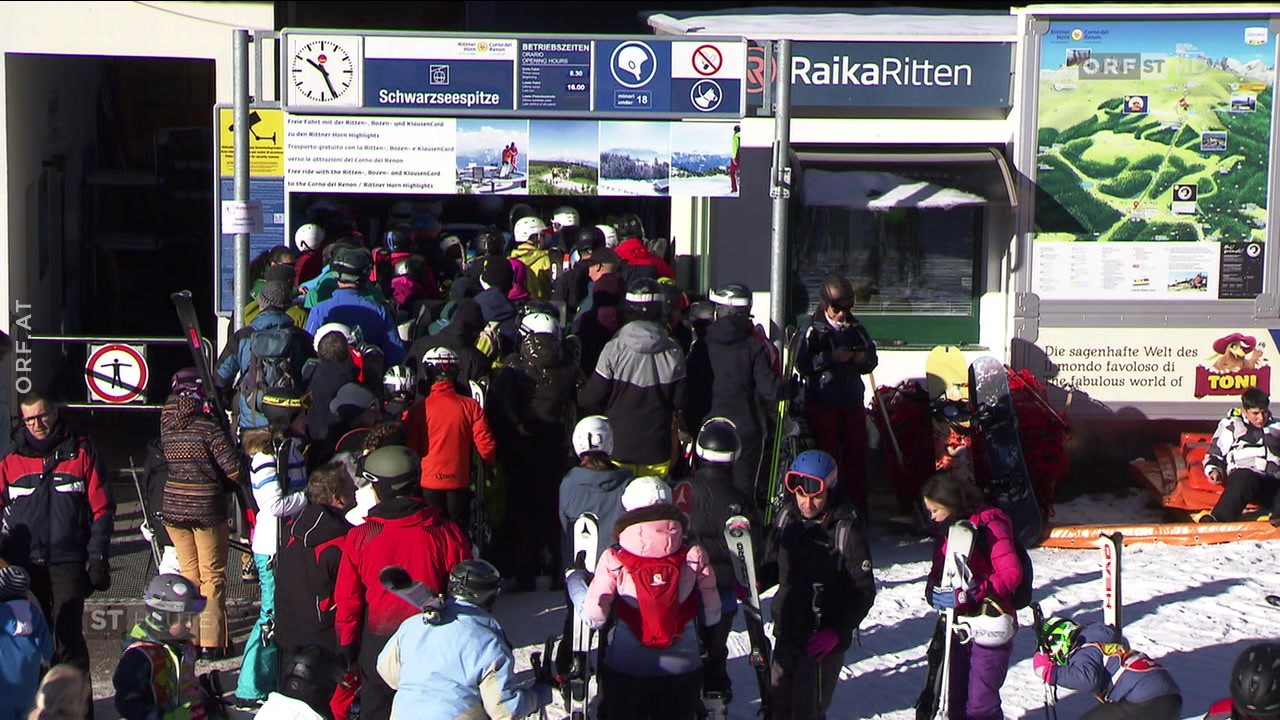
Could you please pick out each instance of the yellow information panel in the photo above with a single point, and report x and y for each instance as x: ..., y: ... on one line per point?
x: 266, y: 142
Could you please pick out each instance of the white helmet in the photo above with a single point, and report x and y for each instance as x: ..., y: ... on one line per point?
x: 610, y: 235
x: 308, y: 237
x: 990, y: 628
x: 440, y: 357
x: 397, y: 380
x: 333, y: 327
x: 564, y: 216
x: 593, y: 434
x: 529, y: 230
x: 539, y: 322
x: 645, y: 491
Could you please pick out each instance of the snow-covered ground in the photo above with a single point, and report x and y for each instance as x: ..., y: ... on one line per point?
x: 1194, y: 609
x: 613, y: 186
x: 710, y: 186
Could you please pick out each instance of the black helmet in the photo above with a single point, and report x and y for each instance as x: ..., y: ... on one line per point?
x: 644, y: 300
x: 487, y: 240
x: 399, y: 238
x: 167, y: 597
x: 718, y: 441
x: 731, y: 299
x: 1255, y: 681
x: 589, y: 238
x: 311, y: 674
x: 410, y: 267
x: 475, y: 581
x: 351, y: 265
x: 518, y: 212
x: 394, y: 468
x: 629, y: 226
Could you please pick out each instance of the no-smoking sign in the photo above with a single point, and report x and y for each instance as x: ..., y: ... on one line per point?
x: 707, y: 60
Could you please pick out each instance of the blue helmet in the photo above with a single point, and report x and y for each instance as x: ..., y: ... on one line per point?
x: 812, y: 473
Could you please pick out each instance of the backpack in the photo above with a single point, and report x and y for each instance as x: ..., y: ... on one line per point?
x: 271, y: 353
x: 1021, y: 597
x: 661, y: 617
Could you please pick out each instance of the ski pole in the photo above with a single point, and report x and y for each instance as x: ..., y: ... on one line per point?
x: 156, y: 554
x: 1050, y: 691
x: 888, y: 426
x: 816, y: 605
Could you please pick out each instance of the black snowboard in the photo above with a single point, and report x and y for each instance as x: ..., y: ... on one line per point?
x: 1007, y: 479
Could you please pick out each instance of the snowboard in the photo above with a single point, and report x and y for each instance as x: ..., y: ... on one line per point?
x: 934, y: 700
x: 737, y: 535
x: 1007, y: 479
x: 586, y: 545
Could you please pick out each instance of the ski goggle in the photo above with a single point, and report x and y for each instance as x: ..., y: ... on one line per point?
x: 803, y: 484
x: 1059, y: 637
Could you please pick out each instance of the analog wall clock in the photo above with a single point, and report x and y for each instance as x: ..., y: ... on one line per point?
x: 323, y: 71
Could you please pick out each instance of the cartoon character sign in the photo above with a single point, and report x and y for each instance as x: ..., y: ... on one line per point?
x: 1238, y: 363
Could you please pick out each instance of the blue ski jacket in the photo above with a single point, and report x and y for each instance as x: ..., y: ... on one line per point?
x: 827, y: 382
x: 1103, y: 664
x: 25, y: 645
x: 591, y: 491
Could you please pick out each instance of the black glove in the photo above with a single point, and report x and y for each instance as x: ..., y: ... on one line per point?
x: 790, y: 390
x: 350, y: 655
x: 100, y: 574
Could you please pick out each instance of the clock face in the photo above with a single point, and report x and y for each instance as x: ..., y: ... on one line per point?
x: 321, y: 71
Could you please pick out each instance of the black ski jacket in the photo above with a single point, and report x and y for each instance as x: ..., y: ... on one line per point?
x: 828, y: 382
x: 713, y: 500
x: 800, y: 553
x: 730, y: 372
x: 306, y: 572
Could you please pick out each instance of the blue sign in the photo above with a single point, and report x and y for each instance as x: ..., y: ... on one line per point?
x: 269, y: 190
x: 706, y: 96
x: 439, y: 84
x: 555, y: 75
x: 633, y: 76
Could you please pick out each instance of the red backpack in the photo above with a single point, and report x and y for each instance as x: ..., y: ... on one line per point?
x: 661, y: 617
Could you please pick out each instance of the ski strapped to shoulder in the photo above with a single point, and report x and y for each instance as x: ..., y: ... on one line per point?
x: 737, y: 535
x: 481, y: 528
x: 791, y: 340
x: 955, y: 575
x: 1112, y: 599
x: 1042, y: 645
x: 586, y: 545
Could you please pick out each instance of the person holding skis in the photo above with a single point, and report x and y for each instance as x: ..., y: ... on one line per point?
x: 1245, y: 455
x: 1255, y: 686
x: 1096, y: 658
x: 817, y: 554
x: 453, y: 660
x: 994, y: 572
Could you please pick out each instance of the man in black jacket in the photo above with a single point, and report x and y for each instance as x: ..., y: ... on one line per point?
x: 818, y: 552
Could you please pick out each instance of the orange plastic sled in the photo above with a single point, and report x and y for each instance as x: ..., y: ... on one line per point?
x: 1086, y: 536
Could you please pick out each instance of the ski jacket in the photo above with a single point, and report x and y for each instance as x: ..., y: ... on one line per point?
x: 639, y: 383
x: 596, y: 325
x: 713, y: 500
x: 732, y: 373
x: 634, y: 252
x: 25, y: 644
x: 500, y: 317
x: 571, y: 287
x: 443, y: 428
x: 325, y: 285
x: 236, y: 361
x: 536, y: 400
x: 650, y: 532
x: 296, y: 312
x: 203, y: 465
x: 58, y: 505
x: 461, y: 668
x: 309, y: 265
x: 306, y: 575
x: 591, y: 491
x: 323, y: 380
x: 828, y: 382
x: 155, y: 475
x: 404, y: 532
x: 799, y: 553
x: 519, y: 292
x: 460, y: 336
x: 283, y: 707
x: 375, y: 321
x: 1239, y: 445
x: 276, y: 502
x: 156, y: 680
x: 994, y: 564
x: 538, y: 277
x: 1103, y: 664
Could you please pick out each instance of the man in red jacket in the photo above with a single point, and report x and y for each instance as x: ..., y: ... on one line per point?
x: 634, y: 250
x: 400, y: 530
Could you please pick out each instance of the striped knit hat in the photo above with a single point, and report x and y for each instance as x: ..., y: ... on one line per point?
x: 14, y: 582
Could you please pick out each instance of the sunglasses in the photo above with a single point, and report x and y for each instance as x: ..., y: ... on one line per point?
x: 806, y: 485
x: 841, y: 304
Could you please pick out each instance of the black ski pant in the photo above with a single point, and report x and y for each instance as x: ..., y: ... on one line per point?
x: 455, y: 505
x: 715, y: 642
x: 1165, y: 707
x: 61, y: 589
x: 1243, y: 487
x: 746, y: 469
x: 801, y: 687
x: 375, y: 695
x: 664, y: 697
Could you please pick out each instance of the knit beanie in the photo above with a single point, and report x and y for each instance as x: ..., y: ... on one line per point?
x: 14, y: 582
x: 275, y: 295
x: 498, y: 274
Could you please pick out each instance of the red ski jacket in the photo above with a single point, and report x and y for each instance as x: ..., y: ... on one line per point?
x: 404, y: 532
x: 442, y: 428
x: 635, y: 253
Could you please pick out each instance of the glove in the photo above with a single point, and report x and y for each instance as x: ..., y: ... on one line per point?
x: 544, y: 693
x: 349, y: 654
x: 100, y: 574
x: 946, y: 598
x: 741, y: 592
x: 147, y: 533
x: 821, y: 643
x: 790, y: 390
x: 1044, y: 665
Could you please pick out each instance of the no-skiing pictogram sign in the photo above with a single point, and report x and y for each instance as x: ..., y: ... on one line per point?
x: 116, y: 373
x: 707, y: 60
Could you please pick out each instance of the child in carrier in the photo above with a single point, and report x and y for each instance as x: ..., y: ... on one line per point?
x: 656, y: 584
x: 1096, y: 658
x: 26, y: 645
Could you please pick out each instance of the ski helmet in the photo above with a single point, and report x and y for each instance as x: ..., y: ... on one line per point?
x: 630, y: 226
x: 563, y: 217
x: 167, y: 598
x: 1059, y: 637
x: 610, y: 235
x: 529, y: 230
x: 449, y: 242
x: 645, y: 492
x: 539, y: 322
x: 440, y: 360
x: 644, y: 300
x: 325, y: 329
x: 308, y: 237
x: 589, y: 239
x: 990, y: 627
x: 593, y: 434
x: 187, y: 383
x: 489, y: 241
x: 311, y: 674
x: 518, y: 212
x: 410, y: 267
x: 351, y: 265
x: 394, y: 467
x: 475, y: 581
x: 399, y: 238
x: 813, y: 472
x: 397, y: 380
x: 731, y: 299
x: 1255, y: 681
x: 718, y: 441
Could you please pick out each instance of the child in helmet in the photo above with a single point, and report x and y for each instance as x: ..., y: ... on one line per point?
x: 156, y: 675
x: 1255, y: 695
x: 978, y: 669
x: 26, y: 644
x: 453, y: 660
x: 1096, y: 658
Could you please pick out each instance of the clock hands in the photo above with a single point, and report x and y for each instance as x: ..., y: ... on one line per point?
x: 325, y: 74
